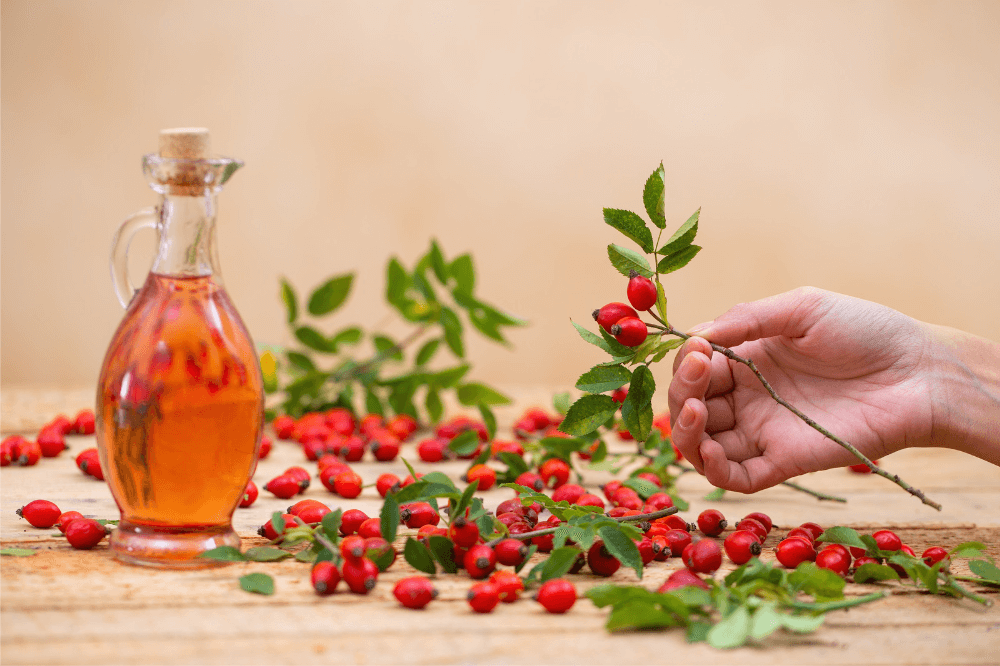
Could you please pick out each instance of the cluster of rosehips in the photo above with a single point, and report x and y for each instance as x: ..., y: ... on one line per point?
x: 50, y: 442
x: 336, y: 432
x: 622, y: 321
x: 82, y: 533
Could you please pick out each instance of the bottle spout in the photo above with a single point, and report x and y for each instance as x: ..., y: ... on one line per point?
x: 184, y: 164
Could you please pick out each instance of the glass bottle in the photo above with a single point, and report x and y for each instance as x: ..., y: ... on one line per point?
x: 180, y: 397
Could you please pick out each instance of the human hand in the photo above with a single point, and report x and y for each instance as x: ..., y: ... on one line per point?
x: 856, y: 367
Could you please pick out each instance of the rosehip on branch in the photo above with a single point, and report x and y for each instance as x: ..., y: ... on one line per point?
x: 609, y: 315
x: 629, y: 331
x: 641, y: 291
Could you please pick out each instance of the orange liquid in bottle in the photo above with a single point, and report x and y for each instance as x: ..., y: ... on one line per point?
x: 181, y: 407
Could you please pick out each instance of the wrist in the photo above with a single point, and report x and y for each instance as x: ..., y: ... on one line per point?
x: 965, y: 393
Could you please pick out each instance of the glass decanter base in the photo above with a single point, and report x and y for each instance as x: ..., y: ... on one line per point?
x: 170, y: 547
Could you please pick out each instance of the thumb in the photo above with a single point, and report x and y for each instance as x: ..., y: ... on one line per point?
x: 790, y: 314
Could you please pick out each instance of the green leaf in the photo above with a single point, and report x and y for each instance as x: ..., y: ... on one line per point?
x: 348, y: 336
x: 631, y: 225
x: 266, y: 554
x: 820, y: 583
x: 438, y: 264
x: 330, y: 295
x: 464, y: 273
x: 418, y: 556
x: 426, y: 352
x: 625, y: 261
x: 588, y: 414
x: 968, y: 549
x: 640, y: 614
x: 842, y: 535
x: 489, y: 420
x: 683, y: 237
x: 18, y: 552
x: 698, y: 632
x: 561, y: 402
x: 802, y: 624
x: 985, y: 569
x: 291, y: 303
x: 389, y: 518
x: 559, y: 563
x: 514, y: 462
x: 301, y: 361
x: 677, y: 260
x: 465, y: 499
x: 330, y: 524
x: 465, y: 443
x: 591, y: 337
x: 652, y: 197
x: 313, y: 339
x: 766, y: 620
x: 664, y: 347
x: 433, y: 404
x: 373, y: 405
x: 396, y: 283
x: 603, y: 378
x: 386, y: 346
x: 716, y: 495
x: 257, y: 583
x: 622, y: 547
x: 731, y: 631
x: 452, y: 331
x: 661, y: 301
x: 443, y: 550
x: 637, y: 410
x: 449, y: 377
x: 307, y: 556
x: 642, y: 486
x: 473, y: 393
x: 614, y: 347
x: 278, y: 522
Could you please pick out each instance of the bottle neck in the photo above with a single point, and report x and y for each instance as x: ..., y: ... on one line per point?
x: 187, y: 236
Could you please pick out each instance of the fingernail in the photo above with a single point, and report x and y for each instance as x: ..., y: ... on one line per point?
x: 686, y: 418
x: 692, y: 369
x: 700, y: 328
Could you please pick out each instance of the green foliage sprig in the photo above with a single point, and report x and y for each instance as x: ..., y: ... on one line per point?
x: 596, y: 409
x: 326, y: 370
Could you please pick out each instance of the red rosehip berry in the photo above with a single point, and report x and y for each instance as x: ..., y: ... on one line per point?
x: 641, y: 291
x: 351, y: 520
x: 89, y: 462
x: 249, y: 494
x: 483, y: 597
x: 352, y: 547
x: 630, y: 331
x: 557, y: 595
x: 711, y: 522
x: 753, y: 526
x: 386, y: 483
x: 800, y: 533
x: 741, y: 546
x: 510, y: 552
x: 414, y: 591
x: 266, y: 444
x: 385, y: 449
x: 792, y: 552
x: 569, y: 492
x: 647, y: 550
x: 433, y: 450
x: 589, y: 499
x: 66, y: 518
x: 40, y: 513
x: 601, y: 561
x: 324, y: 577
x: 935, y: 554
x: 887, y: 540
x: 360, y: 574
x: 813, y: 529
x: 611, y: 313
x: 481, y: 475
x: 28, y: 453
x: 678, y: 540
x: 347, y: 484
x: 675, y: 522
x: 283, y: 426
x: 509, y: 585
x: 283, y: 486
x: 85, y: 533
x: 620, y: 394
x: 834, y: 559
x: 863, y: 560
x: 9, y: 448
x: 418, y: 514
x: 554, y: 472
x: 682, y: 578
x: 628, y: 498
x: 463, y: 532
x: 703, y: 556
x: 530, y: 480
x: 268, y: 531
x: 370, y: 528
x: 376, y: 548
x: 313, y: 514
x: 84, y: 423
x: 761, y: 518
x: 51, y: 442
x: 480, y: 561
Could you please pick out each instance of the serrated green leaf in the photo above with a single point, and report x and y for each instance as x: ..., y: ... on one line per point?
x: 418, y: 556
x: 257, y: 583
x: 432, y: 402
x: 588, y: 414
x: 472, y: 394
x: 427, y: 351
x: 386, y: 346
x: 842, y: 535
x: 683, y: 237
x: 559, y: 562
x: 765, y: 621
x: 642, y: 486
x: 631, y: 225
x: 438, y: 264
x: 389, y: 518
x: 817, y: 582
x: 985, y: 569
x: 313, y: 339
x: 715, y: 495
x: 330, y: 295
x: 465, y: 443
x: 652, y: 197
x: 307, y: 556
x: 677, y: 260
x: 661, y: 301
x: 640, y: 614
x: 625, y: 261
x: 266, y: 554
x: 397, y: 281
x: 802, y: 624
x: 616, y: 348
x: 290, y: 300
x: 465, y: 499
x: 330, y: 524
x: 452, y: 331
x: 373, y: 404
x: 697, y: 632
x: 300, y: 361
x: 591, y: 337
x: 603, y: 378
x: 637, y: 410
x: 443, y: 550
x: 464, y: 272
x: 561, y: 402
x: 347, y: 336
x: 622, y: 547
x: 489, y: 420
x: 224, y: 554
x: 665, y: 347
x: 968, y: 549
x: 731, y: 631
x: 514, y: 462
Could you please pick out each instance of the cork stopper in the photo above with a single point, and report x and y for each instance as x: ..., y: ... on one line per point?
x: 187, y: 143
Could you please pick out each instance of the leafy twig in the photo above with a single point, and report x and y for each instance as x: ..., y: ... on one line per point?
x: 524, y: 536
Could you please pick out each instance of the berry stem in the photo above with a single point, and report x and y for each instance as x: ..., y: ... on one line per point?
x: 326, y: 543
x: 732, y: 356
x: 955, y: 587
x: 621, y: 519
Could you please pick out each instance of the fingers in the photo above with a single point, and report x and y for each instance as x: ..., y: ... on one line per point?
x: 748, y: 476
x: 789, y: 314
x: 690, y: 381
x: 688, y: 431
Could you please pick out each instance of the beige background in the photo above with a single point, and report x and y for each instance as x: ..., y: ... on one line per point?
x: 850, y: 146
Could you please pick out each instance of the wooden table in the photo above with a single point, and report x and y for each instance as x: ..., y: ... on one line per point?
x: 62, y: 606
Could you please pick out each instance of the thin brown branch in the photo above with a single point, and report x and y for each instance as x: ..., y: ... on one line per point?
x: 731, y: 355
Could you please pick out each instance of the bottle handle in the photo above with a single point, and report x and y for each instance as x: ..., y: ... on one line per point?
x: 145, y: 218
